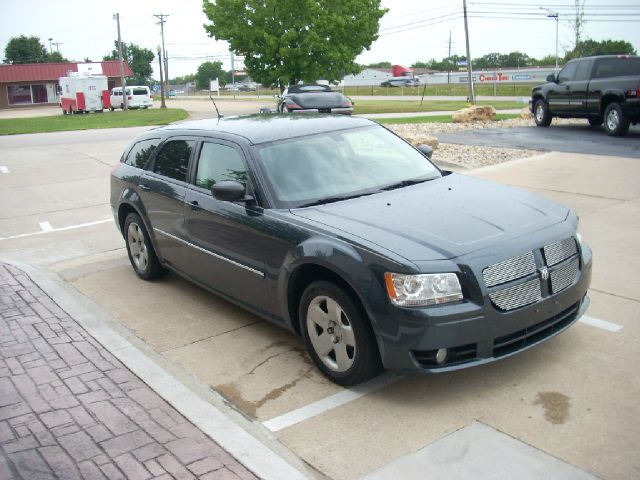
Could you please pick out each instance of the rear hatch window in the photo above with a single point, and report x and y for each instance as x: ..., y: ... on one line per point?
x: 140, y: 91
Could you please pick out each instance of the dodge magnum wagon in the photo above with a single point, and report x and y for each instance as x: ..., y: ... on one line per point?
x: 340, y: 231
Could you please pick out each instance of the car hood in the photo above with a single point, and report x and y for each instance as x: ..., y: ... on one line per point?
x: 318, y: 99
x: 439, y: 219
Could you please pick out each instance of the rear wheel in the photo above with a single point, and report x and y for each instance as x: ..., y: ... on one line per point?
x: 141, y: 253
x: 338, y: 335
x: 616, y: 123
x: 541, y: 114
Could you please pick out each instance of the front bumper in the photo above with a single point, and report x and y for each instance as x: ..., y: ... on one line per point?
x: 475, y: 333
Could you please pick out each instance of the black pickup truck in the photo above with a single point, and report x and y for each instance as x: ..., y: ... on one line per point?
x: 604, y: 89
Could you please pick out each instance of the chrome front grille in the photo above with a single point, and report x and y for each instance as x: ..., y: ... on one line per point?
x: 512, y: 284
x: 565, y: 276
x: 517, y: 296
x: 508, y: 270
x: 559, y: 251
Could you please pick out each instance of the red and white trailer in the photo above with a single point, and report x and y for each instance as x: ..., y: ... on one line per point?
x: 83, y: 93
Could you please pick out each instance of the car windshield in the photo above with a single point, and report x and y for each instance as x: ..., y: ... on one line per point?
x: 333, y: 166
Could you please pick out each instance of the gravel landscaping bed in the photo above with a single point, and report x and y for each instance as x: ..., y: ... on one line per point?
x: 471, y: 156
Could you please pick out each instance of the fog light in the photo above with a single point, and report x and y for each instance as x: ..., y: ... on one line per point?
x: 441, y: 355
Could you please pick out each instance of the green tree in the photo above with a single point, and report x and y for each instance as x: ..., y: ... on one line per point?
x: 208, y: 71
x: 284, y: 41
x: 138, y: 58
x: 380, y: 65
x: 591, y: 47
x: 25, y: 49
x: 183, y: 79
x: 546, y: 61
x: 56, y: 57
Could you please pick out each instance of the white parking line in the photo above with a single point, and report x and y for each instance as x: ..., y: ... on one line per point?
x: 603, y: 324
x: 316, y: 408
x: 43, y: 226
x: 4, y: 169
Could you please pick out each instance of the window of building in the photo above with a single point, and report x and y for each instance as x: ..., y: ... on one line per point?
x: 19, y: 94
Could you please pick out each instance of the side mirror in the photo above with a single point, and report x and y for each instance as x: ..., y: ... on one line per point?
x: 426, y: 150
x: 551, y: 78
x: 228, y: 191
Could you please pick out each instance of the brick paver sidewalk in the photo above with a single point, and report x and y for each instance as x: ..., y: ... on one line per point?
x: 70, y: 410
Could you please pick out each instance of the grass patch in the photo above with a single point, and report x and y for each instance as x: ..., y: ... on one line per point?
x: 436, y: 119
x: 401, y: 106
x: 117, y: 119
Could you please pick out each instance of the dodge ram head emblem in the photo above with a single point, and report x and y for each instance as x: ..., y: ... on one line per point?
x: 544, y: 273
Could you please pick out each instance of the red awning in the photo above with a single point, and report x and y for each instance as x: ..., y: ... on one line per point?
x: 35, y: 72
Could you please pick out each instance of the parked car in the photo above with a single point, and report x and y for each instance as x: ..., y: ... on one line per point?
x: 247, y: 87
x: 340, y: 231
x: 604, y: 89
x: 137, y: 97
x: 401, y: 82
x: 313, y: 99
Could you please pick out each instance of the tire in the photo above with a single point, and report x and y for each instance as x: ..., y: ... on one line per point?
x: 616, y: 123
x: 141, y: 253
x: 338, y: 335
x: 541, y: 114
x: 64, y: 112
x: 111, y: 109
x: 595, y: 121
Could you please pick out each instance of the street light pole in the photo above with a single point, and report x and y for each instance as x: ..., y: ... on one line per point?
x: 125, y: 101
x: 469, y: 67
x: 50, y: 49
x: 556, y: 15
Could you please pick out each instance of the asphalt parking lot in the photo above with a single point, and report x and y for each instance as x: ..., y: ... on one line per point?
x: 566, y: 409
x: 574, y: 138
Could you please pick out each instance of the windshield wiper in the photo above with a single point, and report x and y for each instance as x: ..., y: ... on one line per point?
x: 337, y: 198
x: 406, y: 183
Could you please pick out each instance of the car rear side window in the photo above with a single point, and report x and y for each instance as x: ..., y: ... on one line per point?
x: 173, y: 159
x: 616, y: 67
x: 219, y: 163
x: 141, y: 152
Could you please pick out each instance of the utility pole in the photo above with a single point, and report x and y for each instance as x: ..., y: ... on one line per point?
x: 162, y: 104
x: 125, y: 101
x: 449, y: 59
x: 472, y: 98
x: 162, y: 17
x: 57, y: 44
x: 50, y: 49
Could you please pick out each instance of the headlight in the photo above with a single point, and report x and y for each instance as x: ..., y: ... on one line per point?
x: 423, y: 289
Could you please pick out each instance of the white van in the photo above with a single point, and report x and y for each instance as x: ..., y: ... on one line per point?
x: 137, y: 96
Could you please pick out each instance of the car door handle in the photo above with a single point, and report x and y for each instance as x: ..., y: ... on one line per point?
x: 195, y: 205
x: 144, y: 187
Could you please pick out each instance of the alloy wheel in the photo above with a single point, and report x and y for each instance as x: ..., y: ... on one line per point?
x: 137, y: 246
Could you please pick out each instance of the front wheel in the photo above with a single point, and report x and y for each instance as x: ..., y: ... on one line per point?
x: 141, y: 253
x: 616, y: 123
x: 541, y: 114
x: 338, y: 335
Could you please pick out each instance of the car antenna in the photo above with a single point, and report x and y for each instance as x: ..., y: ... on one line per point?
x: 217, y: 111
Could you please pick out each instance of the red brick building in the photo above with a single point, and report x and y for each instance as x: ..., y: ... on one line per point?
x: 36, y: 83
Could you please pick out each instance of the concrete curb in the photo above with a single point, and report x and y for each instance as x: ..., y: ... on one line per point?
x: 245, y: 447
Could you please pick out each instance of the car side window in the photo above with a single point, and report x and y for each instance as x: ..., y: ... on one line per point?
x: 173, y: 159
x: 568, y: 72
x: 582, y: 71
x: 141, y: 152
x: 218, y: 163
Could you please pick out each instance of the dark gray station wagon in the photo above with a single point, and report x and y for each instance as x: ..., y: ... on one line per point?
x: 340, y: 231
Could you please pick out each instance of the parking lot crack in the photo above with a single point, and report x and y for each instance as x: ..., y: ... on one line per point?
x: 209, y: 337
